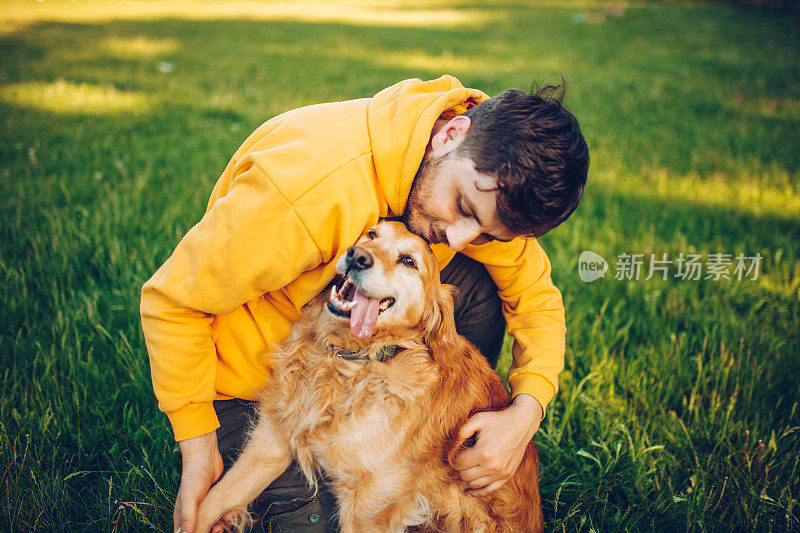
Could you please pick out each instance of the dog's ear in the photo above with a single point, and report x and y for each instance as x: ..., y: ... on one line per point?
x: 440, y: 323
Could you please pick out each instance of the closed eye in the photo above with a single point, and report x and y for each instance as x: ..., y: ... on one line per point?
x: 408, y: 261
x: 461, y: 207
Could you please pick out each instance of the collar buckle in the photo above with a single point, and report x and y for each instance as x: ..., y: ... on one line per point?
x: 384, y: 354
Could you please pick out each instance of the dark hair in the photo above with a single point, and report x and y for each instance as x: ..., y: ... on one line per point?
x: 534, y: 147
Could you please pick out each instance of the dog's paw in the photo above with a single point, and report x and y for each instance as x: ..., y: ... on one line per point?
x: 234, y: 520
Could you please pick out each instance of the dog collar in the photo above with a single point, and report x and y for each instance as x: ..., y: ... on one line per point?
x: 384, y: 354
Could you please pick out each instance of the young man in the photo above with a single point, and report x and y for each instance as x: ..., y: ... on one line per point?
x: 469, y: 174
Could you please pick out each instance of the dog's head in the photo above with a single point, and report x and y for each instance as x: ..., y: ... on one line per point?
x: 390, y: 283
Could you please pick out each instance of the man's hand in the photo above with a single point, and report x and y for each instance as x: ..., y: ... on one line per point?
x: 502, y: 437
x: 201, y: 467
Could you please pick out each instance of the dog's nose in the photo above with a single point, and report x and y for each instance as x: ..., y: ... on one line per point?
x: 358, y: 258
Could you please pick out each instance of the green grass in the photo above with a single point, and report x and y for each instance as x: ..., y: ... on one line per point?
x: 678, y: 408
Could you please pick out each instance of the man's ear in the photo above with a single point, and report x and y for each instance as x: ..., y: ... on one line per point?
x: 450, y: 135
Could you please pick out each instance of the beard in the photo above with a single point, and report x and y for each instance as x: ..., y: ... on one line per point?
x: 414, y: 216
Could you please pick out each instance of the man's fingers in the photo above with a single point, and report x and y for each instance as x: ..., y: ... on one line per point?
x: 176, y: 513
x: 201, y: 465
x: 466, y: 458
x: 479, y: 455
x: 189, y: 504
x: 479, y: 483
x: 487, y: 489
x: 471, y: 426
x: 473, y: 474
x: 187, y: 525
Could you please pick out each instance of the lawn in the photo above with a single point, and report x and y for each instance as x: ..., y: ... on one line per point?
x: 678, y: 408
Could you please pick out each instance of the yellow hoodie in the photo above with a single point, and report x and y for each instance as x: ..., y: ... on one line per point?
x: 296, y: 194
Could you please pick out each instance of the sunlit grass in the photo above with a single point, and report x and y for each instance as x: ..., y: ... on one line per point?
x: 139, y: 47
x: 18, y: 13
x: 65, y: 97
x: 767, y: 107
x: 449, y: 60
x: 775, y: 193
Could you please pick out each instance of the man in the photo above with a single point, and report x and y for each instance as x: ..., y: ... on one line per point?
x: 467, y: 173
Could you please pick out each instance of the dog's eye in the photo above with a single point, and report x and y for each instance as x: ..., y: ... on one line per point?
x: 407, y: 260
x: 371, y: 234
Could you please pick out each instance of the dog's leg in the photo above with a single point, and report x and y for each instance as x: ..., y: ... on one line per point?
x: 264, y: 458
x: 368, y: 509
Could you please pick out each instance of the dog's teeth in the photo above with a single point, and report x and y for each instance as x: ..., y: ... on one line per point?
x: 343, y: 290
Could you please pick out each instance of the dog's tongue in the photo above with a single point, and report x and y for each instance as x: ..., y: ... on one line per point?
x: 363, y: 316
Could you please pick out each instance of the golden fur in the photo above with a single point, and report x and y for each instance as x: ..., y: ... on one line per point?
x: 384, y: 433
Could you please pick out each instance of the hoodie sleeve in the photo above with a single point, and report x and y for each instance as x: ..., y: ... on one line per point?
x: 224, y: 261
x: 534, y: 312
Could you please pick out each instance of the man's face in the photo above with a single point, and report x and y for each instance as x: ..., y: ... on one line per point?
x: 452, y: 203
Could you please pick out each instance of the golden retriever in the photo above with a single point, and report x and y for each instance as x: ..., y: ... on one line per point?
x: 371, y: 387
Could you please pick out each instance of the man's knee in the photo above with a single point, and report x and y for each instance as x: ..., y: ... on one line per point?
x: 289, y: 504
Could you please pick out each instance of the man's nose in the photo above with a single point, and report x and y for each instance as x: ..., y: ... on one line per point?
x: 358, y: 258
x: 460, y: 235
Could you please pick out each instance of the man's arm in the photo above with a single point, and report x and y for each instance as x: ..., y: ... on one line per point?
x: 225, y: 260
x: 201, y: 466
x: 535, y: 316
x: 534, y: 313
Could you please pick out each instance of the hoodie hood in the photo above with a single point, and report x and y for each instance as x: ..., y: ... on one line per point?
x: 400, y: 120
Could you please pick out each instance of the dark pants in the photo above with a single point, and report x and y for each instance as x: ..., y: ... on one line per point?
x: 288, y: 504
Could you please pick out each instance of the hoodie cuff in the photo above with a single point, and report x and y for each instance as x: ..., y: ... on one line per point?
x: 193, y: 420
x: 534, y: 385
